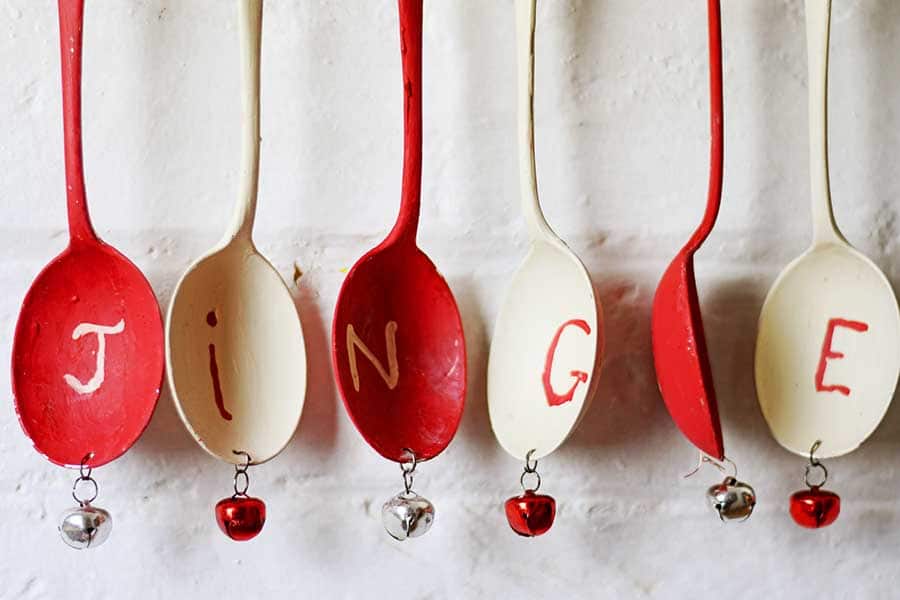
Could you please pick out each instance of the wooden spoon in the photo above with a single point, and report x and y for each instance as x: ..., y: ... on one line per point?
x: 397, y: 341
x: 828, y: 350
x: 87, y: 358
x: 679, y: 345
x: 235, y: 351
x: 548, y: 338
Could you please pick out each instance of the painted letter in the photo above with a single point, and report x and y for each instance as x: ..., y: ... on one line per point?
x: 392, y: 375
x: 101, y: 331
x: 554, y: 399
x: 212, y: 321
x: 828, y: 353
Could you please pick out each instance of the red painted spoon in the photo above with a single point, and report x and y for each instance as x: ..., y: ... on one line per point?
x: 87, y: 359
x: 397, y: 341
x: 679, y: 346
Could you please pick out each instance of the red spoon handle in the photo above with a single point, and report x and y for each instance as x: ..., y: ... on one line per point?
x: 411, y: 53
x: 717, y: 120
x: 71, y: 22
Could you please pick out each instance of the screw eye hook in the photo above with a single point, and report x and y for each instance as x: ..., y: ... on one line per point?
x: 84, y: 476
x: 814, y: 463
x: 531, y: 466
x: 530, y: 469
x: 84, y: 469
x: 241, y: 478
x: 247, y: 462
x: 408, y: 469
x: 704, y: 459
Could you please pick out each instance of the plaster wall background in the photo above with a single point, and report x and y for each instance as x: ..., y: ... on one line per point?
x: 622, y: 136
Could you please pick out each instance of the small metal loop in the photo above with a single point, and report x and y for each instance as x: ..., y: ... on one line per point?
x: 704, y: 459
x: 809, y: 468
x: 813, y: 461
x: 813, y: 464
x: 410, y: 465
x: 240, y: 489
x: 85, y: 501
x: 408, y: 481
x: 733, y: 466
x: 529, y: 467
x: 85, y: 474
x: 537, y: 483
x: 242, y: 468
x: 408, y: 470
x: 241, y: 477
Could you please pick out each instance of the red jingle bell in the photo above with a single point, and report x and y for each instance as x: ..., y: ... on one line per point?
x: 241, y: 517
x: 815, y: 507
x: 530, y: 514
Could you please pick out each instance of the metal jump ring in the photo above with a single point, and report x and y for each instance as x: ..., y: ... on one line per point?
x: 85, y: 501
x: 240, y: 473
x: 84, y: 474
x: 537, y: 485
x: 824, y: 475
x: 240, y: 489
x: 814, y: 463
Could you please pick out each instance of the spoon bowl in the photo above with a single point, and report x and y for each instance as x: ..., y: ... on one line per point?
x: 397, y: 284
x: 87, y: 357
x: 75, y: 397
x: 546, y: 348
x: 680, y: 357
x: 233, y: 310
x: 828, y: 351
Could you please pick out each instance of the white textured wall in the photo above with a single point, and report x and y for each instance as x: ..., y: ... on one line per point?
x: 622, y: 153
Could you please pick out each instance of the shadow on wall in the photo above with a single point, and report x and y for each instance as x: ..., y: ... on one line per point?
x: 475, y: 429
x: 317, y: 431
x: 165, y: 435
x: 627, y: 411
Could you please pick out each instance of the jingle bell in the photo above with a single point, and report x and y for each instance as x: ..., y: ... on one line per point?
x: 531, y: 514
x: 241, y: 517
x: 815, y: 507
x: 85, y: 526
x: 407, y: 515
x: 732, y: 499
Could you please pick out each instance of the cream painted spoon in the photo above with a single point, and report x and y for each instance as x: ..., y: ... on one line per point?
x: 828, y: 348
x: 234, y: 345
x: 548, y: 338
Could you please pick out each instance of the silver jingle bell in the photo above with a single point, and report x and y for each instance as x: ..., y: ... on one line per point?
x: 732, y: 499
x: 85, y: 526
x: 407, y: 515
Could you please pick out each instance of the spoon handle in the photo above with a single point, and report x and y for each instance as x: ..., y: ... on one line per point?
x: 71, y: 24
x: 250, y: 32
x: 531, y: 206
x: 717, y: 126
x: 818, y: 24
x: 411, y: 55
